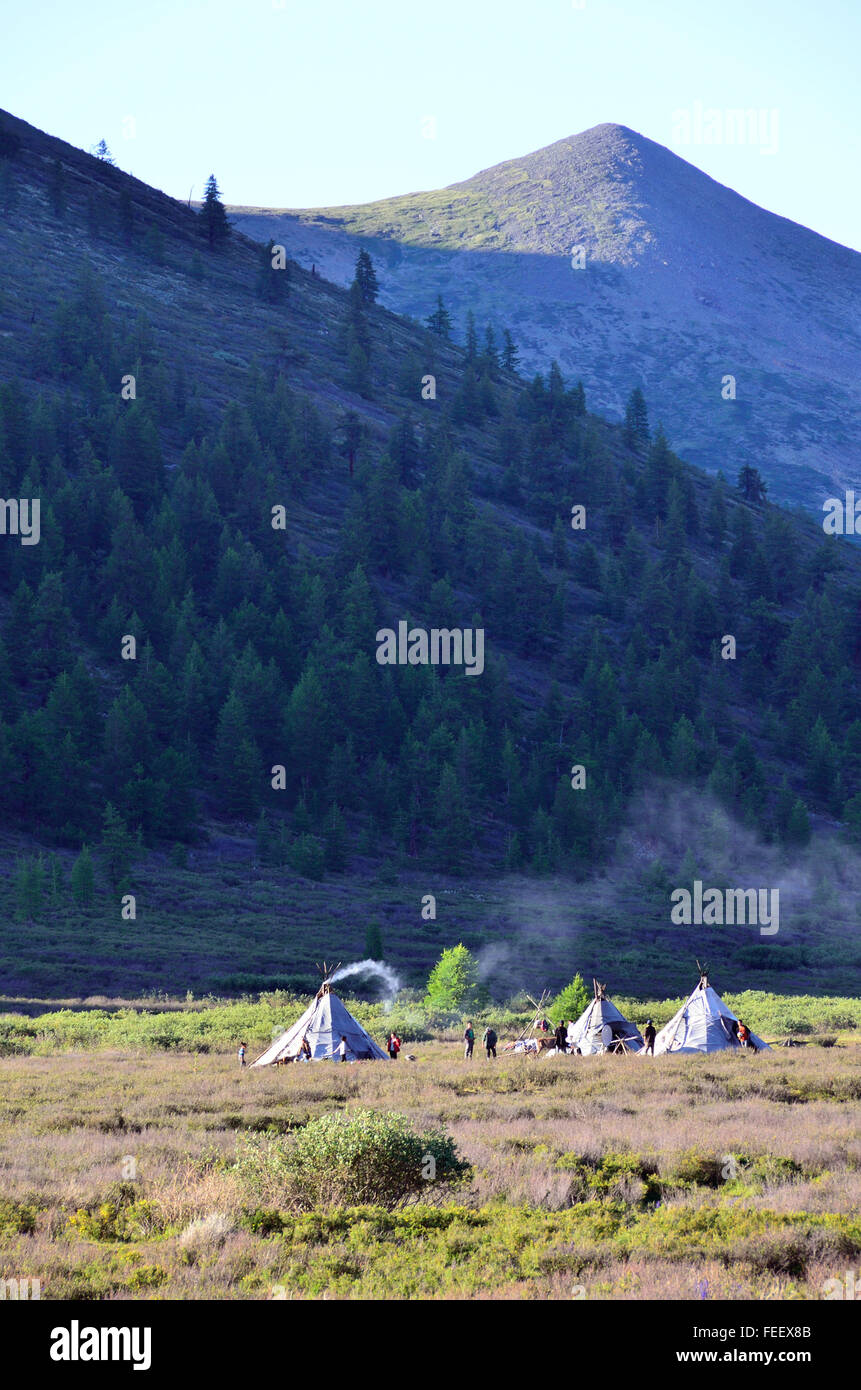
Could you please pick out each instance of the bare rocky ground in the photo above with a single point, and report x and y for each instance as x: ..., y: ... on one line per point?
x: 684, y: 282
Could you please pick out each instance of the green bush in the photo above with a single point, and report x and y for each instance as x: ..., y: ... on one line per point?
x: 698, y: 1168
x: 349, y: 1159
x: 570, y: 1002
x: 453, y: 982
x: 118, y: 1219
x: 17, y: 1218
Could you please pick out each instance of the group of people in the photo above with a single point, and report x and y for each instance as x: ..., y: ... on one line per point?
x: 488, y: 1041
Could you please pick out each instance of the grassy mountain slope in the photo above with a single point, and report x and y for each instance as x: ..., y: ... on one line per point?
x: 684, y: 283
x: 256, y: 647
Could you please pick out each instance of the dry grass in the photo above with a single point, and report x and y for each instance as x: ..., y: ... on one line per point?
x: 598, y: 1172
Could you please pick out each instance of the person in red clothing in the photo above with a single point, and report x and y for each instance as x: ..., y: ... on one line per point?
x: 744, y: 1034
x: 393, y: 1046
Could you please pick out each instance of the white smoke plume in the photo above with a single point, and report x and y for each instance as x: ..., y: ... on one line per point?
x: 375, y: 968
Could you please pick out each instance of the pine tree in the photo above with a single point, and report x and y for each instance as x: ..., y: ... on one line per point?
x: 366, y: 278
x: 153, y: 244
x: 439, y: 322
x: 716, y: 515
x: 471, y: 343
x: 510, y: 355
x: 335, y: 847
x: 117, y: 847
x: 373, y: 941
x: 30, y: 888
x: 491, y: 352
x: 570, y: 1002
x: 102, y: 152
x: 751, y: 485
x: 83, y: 879
x: 238, y: 765
x: 451, y: 837
x: 273, y: 283
x: 453, y: 982
x: 213, y: 215
x: 636, y: 430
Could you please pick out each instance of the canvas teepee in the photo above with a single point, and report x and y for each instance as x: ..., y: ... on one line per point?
x: 323, y: 1023
x: 602, y: 1028
x: 704, y: 1023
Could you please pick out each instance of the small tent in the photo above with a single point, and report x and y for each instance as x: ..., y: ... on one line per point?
x: 704, y: 1023
x: 602, y: 1028
x: 323, y: 1023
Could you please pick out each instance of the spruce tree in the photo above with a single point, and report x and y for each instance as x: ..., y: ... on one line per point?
x: 83, y: 879
x: 510, y: 355
x: 366, y: 278
x: 471, y: 338
x: 636, y: 431
x: 273, y: 283
x: 439, y: 321
x: 117, y: 847
x: 751, y: 485
x: 491, y: 352
x: 213, y: 215
x: 453, y: 982
x: 30, y: 888
x: 373, y: 941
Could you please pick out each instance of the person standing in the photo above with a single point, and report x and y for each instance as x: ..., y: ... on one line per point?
x: 561, y: 1036
x: 342, y: 1047
x: 393, y: 1046
x: 243, y: 1047
x: 649, y: 1036
x: 468, y: 1042
x: 489, y: 1041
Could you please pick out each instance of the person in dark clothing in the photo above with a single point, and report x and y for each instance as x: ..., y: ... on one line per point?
x: 489, y: 1041
x: 649, y: 1035
x: 561, y: 1036
x: 468, y: 1042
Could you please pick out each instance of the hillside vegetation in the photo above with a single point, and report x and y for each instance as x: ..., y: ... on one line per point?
x: 255, y: 646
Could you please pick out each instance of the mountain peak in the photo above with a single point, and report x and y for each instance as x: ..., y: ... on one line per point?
x: 681, y: 282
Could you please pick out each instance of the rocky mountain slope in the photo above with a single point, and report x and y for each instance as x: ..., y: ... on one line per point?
x: 684, y: 283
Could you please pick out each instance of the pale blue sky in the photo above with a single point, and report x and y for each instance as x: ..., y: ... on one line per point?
x: 315, y: 102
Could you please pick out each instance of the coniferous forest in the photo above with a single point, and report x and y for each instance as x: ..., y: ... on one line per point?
x: 192, y: 642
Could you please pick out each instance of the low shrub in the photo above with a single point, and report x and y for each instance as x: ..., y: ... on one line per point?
x: 17, y: 1218
x: 118, y: 1219
x: 698, y: 1168
x: 345, y: 1159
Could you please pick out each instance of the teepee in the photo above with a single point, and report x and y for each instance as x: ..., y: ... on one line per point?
x: 323, y: 1023
x: 704, y: 1023
x: 602, y: 1028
